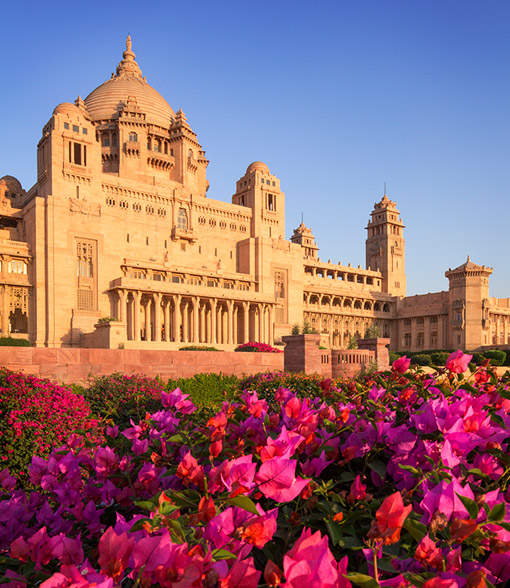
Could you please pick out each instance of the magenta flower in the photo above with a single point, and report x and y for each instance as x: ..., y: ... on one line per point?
x: 401, y: 364
x: 458, y: 362
x: 276, y: 479
x: 310, y: 563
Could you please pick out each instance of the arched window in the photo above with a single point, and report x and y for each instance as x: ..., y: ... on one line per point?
x: 133, y: 137
x: 182, y: 219
x: 157, y: 145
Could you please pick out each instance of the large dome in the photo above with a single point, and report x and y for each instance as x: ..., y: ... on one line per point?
x: 104, y: 102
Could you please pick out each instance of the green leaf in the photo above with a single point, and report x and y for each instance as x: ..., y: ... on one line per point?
x: 335, y: 531
x: 416, y: 529
x: 222, y: 554
x: 243, y: 502
x: 139, y: 525
x: 378, y: 466
x: 497, y: 513
x: 362, y: 580
x: 409, y: 468
x: 505, y: 526
x: 176, y: 439
x: 146, y: 505
x: 470, y: 505
x: 167, y: 509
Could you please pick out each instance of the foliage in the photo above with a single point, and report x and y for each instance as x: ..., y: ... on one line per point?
x: 296, y: 329
x: 372, y: 332
x: 255, y: 347
x: 308, y: 329
x: 497, y: 356
x: 122, y: 397
x: 439, y: 357
x: 394, y: 355
x: 421, y: 359
x: 198, y: 348
x: 108, y: 319
x: 268, y: 383
x: 13, y: 342
x: 353, y: 342
x: 36, y: 416
x: 206, y: 390
x: 398, y: 479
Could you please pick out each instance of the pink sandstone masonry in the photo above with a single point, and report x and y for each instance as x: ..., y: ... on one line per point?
x: 77, y: 365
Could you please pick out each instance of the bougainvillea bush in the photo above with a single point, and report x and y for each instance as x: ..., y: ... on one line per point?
x: 255, y: 347
x: 35, y: 417
x: 398, y: 480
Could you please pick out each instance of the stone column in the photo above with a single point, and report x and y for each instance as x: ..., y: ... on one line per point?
x: 136, y: 315
x: 212, y: 337
x: 271, y: 324
x: 196, y: 303
x: 122, y: 306
x: 177, y: 318
x: 166, y: 318
x: 157, y: 316
x: 185, y: 323
x: 246, y: 322
x: 230, y: 322
x: 5, y: 310
x: 148, y: 319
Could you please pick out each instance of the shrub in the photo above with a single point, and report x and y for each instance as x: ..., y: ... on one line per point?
x: 121, y: 397
x: 108, y: 319
x: 394, y: 355
x: 421, y: 359
x: 295, y: 329
x: 478, y: 358
x: 206, y: 389
x: 497, y: 356
x: 197, y: 348
x: 267, y: 383
x: 439, y: 357
x: 12, y: 342
x: 254, y: 347
x: 36, y: 417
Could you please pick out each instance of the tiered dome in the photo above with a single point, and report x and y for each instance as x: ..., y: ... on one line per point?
x: 104, y: 102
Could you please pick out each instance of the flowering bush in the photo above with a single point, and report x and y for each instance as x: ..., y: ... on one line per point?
x: 35, y: 417
x: 399, y: 480
x: 258, y: 348
x: 121, y: 397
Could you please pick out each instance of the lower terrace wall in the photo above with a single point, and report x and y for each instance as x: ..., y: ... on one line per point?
x: 77, y: 365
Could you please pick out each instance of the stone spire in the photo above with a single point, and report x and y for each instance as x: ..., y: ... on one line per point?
x: 128, y: 66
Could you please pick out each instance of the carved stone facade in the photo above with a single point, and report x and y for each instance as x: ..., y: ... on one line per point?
x: 119, y: 225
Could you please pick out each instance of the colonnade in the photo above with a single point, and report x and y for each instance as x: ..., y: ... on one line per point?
x: 154, y: 316
x: 340, y: 328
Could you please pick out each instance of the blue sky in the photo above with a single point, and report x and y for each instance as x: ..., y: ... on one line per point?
x: 336, y: 97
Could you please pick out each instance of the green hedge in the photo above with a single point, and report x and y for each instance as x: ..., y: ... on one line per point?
x: 12, y: 342
x: 421, y: 359
x: 206, y: 389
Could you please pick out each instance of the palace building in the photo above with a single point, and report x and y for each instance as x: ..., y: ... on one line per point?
x: 119, y: 225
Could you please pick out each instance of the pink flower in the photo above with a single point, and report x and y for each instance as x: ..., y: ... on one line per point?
x: 401, y: 364
x: 390, y: 518
x: 357, y: 491
x: 310, y: 563
x: 458, y: 362
x: 277, y: 479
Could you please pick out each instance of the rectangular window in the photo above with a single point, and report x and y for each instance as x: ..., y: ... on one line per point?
x: 84, y: 131
x: 76, y: 129
x: 66, y: 126
x: 77, y: 153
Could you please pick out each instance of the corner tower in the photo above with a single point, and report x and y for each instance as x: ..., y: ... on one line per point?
x: 260, y: 190
x: 385, y: 246
x: 468, y: 293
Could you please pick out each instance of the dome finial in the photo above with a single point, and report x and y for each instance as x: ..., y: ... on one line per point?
x: 128, y: 65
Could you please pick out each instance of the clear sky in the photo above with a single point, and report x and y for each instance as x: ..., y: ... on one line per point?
x: 337, y: 97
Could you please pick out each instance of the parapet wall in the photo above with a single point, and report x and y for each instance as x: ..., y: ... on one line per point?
x: 77, y: 365
x: 302, y: 353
